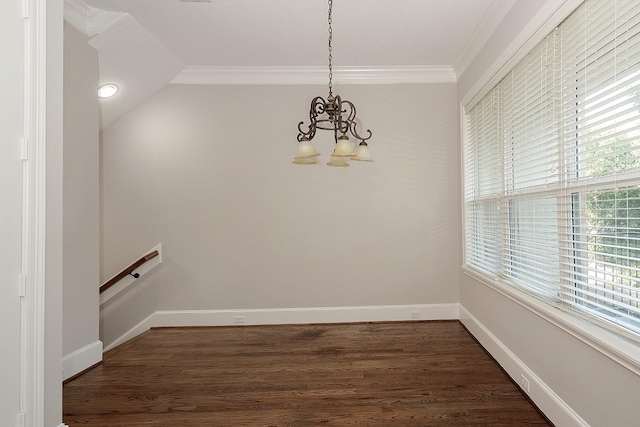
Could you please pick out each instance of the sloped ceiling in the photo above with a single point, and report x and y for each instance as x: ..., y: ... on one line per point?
x: 145, y: 44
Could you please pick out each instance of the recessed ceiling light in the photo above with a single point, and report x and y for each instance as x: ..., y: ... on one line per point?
x: 107, y: 91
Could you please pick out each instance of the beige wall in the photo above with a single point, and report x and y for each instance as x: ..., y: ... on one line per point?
x: 80, y: 193
x: 49, y: 20
x: 600, y: 390
x: 516, y: 20
x: 206, y: 171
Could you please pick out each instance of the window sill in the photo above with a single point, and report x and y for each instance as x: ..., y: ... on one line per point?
x: 616, y: 347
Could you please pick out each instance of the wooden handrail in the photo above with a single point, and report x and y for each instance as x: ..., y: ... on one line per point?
x: 128, y: 270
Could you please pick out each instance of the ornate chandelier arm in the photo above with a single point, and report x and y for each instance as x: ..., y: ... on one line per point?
x: 352, y: 125
x: 308, y: 135
x: 340, y: 124
x: 354, y: 132
x: 352, y: 110
x: 317, y: 109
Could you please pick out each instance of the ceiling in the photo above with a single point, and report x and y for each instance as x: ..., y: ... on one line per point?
x: 278, y: 33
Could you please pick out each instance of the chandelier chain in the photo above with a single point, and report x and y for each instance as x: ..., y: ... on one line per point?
x: 330, y: 49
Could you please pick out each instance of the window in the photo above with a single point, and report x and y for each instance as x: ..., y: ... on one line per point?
x: 552, y: 169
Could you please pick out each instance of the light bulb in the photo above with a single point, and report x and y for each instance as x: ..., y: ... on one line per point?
x: 107, y: 91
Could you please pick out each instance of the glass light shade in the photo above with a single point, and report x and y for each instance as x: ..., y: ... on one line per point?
x: 343, y: 148
x: 308, y: 161
x: 338, y: 161
x: 305, y: 150
x: 362, y: 153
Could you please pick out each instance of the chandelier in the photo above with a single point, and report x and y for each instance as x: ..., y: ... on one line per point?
x: 334, y: 114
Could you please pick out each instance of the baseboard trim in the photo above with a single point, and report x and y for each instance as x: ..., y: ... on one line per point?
x: 81, y: 359
x: 283, y: 316
x: 554, y: 408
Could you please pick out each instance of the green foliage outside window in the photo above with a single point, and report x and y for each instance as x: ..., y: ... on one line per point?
x: 613, y: 217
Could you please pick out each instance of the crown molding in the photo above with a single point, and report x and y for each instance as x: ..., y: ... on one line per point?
x: 76, y: 13
x: 89, y: 20
x: 308, y: 75
x: 101, y: 20
x: 489, y: 22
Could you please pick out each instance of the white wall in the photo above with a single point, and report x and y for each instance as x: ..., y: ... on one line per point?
x: 81, y: 226
x: 206, y: 170
x: 601, y: 391
x: 52, y: 115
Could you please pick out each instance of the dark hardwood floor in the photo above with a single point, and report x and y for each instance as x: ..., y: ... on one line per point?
x: 370, y: 374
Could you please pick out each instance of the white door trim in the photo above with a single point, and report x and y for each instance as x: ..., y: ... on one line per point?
x: 34, y: 213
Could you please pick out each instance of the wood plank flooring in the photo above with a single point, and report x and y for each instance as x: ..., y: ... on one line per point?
x: 367, y: 374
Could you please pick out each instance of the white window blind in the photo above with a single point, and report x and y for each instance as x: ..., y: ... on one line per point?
x: 530, y: 105
x: 484, y: 187
x: 552, y: 168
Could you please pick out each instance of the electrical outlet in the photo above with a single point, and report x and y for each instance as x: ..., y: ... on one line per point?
x: 414, y: 315
x: 524, y: 383
x: 238, y: 319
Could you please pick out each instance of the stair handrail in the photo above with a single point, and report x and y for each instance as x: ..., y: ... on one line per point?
x: 128, y: 271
